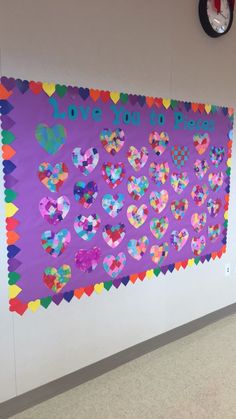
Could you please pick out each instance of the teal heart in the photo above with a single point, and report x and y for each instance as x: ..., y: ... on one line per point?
x: 51, y: 139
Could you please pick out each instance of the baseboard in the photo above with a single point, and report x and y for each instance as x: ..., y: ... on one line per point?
x: 25, y: 401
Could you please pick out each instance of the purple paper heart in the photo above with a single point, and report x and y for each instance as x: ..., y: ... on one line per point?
x: 87, y: 260
x: 8, y: 83
x: 23, y: 85
x: 7, y: 122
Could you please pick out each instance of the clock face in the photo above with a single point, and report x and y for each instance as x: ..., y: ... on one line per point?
x: 219, y: 21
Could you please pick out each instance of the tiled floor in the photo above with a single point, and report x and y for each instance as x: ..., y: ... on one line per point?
x: 192, y: 378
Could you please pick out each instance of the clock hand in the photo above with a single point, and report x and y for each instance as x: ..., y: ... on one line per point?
x: 223, y: 15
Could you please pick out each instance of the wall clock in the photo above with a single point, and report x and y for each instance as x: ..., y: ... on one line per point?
x: 216, y: 16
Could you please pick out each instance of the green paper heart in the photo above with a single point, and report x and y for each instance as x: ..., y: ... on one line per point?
x: 173, y: 103
x: 13, y: 278
x: 7, y: 137
x: 45, y: 302
x: 228, y: 171
x: 225, y: 224
x: 52, y: 138
x: 61, y: 90
x: 196, y: 261
x: 107, y: 285
x: 10, y: 195
x: 124, y: 97
x: 156, y: 271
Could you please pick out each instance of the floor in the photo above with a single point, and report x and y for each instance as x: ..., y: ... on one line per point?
x: 192, y: 378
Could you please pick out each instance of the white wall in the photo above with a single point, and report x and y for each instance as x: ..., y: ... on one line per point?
x: 152, y: 47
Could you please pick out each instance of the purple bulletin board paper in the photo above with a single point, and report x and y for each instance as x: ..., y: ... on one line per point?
x: 105, y: 188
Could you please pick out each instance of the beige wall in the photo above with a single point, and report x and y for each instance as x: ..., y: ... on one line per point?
x: 152, y: 47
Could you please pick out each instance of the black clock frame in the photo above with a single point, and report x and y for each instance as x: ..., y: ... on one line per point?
x: 202, y: 9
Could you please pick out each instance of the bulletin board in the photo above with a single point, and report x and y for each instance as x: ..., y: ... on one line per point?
x: 104, y: 189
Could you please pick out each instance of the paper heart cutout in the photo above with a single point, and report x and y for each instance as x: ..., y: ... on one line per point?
x: 198, y: 221
x: 198, y: 244
x: 137, y: 216
x: 112, y: 141
x: 55, y: 279
x: 113, y: 204
x: 158, y: 200
x: 113, y: 235
x: 87, y: 260
x: 158, y: 142
x: 217, y: 155
x: 55, y: 243
x: 136, y: 158
x: 51, y: 176
x: 159, y: 172
x: 179, y: 208
x: 85, y: 193
x: 159, y: 253
x: 216, y: 180
x: 137, y: 186
x: 54, y: 211
x: 113, y: 265
x: 178, y: 239
x: 199, y: 194
x: 180, y: 155
x: 85, y: 161
x: 214, y: 232
x: 87, y: 227
x: 200, y: 168
x: 51, y: 139
x: 137, y: 248
x: 113, y: 174
x: 179, y: 181
x: 201, y: 142
x: 214, y: 207
x: 158, y: 226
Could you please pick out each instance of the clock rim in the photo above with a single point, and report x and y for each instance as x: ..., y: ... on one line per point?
x: 203, y: 16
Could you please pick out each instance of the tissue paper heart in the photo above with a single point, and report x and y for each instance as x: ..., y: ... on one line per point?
x: 51, y: 139
x: 87, y: 260
x: 159, y: 172
x: 214, y: 232
x: 113, y: 204
x: 159, y: 253
x: 55, y: 279
x: 200, y: 168
x: 113, y: 235
x: 113, y: 174
x: 51, y: 176
x: 137, y: 216
x: 201, y: 142
x: 136, y: 158
x: 216, y: 180
x: 198, y: 221
x: 85, y: 161
x: 179, y: 181
x: 112, y: 141
x: 217, y: 155
x: 137, y: 248
x: 113, y: 265
x: 87, y: 227
x: 179, y: 208
x: 85, y: 193
x: 198, y: 245
x: 54, y: 211
x: 199, y: 194
x: 158, y: 226
x: 158, y: 200
x: 137, y: 186
x: 178, y: 239
x: 158, y: 142
x: 180, y: 155
x: 214, y: 207
x: 55, y: 243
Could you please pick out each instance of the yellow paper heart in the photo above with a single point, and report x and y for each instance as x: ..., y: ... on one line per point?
x: 226, y: 215
x: 10, y: 209
x: 229, y: 162
x: 49, y: 88
x: 14, y: 290
x: 98, y: 288
x: 208, y: 108
x: 149, y: 274
x: 34, y: 305
x: 191, y: 262
x: 115, y: 96
x: 166, y: 103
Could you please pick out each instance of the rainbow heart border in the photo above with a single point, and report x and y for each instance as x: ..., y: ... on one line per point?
x: 8, y: 152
